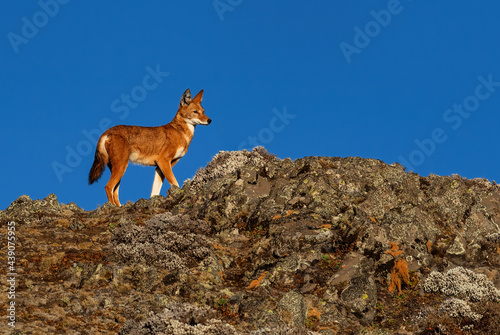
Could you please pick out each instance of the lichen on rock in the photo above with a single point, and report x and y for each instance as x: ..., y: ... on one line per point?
x: 173, y: 242
x: 463, y: 283
x: 259, y: 245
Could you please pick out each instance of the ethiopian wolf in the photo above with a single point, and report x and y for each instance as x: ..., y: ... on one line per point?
x: 161, y: 147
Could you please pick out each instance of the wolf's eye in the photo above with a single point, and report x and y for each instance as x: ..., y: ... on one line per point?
x: 196, y: 112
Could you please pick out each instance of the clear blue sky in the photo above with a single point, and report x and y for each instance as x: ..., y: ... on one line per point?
x: 415, y: 82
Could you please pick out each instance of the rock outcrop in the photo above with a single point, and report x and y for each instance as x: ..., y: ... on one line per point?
x: 258, y: 245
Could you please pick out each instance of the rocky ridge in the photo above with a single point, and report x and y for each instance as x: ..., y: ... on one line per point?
x: 258, y: 245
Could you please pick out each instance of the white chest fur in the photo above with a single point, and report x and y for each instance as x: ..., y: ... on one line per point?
x: 179, y: 153
x: 191, y: 127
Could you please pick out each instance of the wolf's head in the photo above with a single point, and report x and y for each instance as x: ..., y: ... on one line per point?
x: 191, y: 111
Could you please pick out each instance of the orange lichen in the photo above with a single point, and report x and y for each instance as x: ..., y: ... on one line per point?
x: 394, y: 250
x: 399, y: 272
x: 325, y: 164
x: 429, y: 246
x: 218, y: 246
x: 327, y: 226
x: 284, y: 216
x: 256, y: 283
x: 373, y: 219
x: 314, y: 313
x: 221, y: 274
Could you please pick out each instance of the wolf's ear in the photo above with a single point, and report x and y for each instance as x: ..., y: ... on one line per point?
x: 186, y: 98
x: 198, y: 97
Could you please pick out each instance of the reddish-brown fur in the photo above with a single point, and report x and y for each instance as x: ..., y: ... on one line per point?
x: 161, y: 146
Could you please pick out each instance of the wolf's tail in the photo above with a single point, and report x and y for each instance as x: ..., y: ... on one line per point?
x: 101, y: 159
